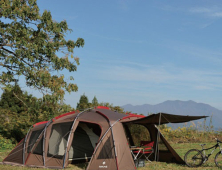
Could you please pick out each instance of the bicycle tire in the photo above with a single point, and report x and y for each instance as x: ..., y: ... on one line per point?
x: 193, y: 158
x: 218, y: 159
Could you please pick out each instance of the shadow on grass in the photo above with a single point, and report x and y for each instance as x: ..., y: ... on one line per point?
x: 81, y: 166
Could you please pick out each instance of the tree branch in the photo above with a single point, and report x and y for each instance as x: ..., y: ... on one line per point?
x: 8, y: 50
x: 20, y: 99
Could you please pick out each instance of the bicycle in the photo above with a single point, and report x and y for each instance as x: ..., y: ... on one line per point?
x: 195, y: 157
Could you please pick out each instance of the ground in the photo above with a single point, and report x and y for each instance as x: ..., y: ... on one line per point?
x: 181, y: 149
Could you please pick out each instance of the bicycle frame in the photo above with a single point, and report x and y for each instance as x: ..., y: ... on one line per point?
x: 207, y: 156
x: 200, y: 156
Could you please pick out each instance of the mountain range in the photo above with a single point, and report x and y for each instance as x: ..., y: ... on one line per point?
x: 178, y: 107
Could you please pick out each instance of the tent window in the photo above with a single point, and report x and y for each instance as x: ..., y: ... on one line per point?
x: 33, y: 138
x: 137, y: 133
x: 107, y: 151
x: 84, y: 142
x: 58, y: 139
x: 39, y: 148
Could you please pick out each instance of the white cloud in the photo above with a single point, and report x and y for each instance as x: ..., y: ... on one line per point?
x: 200, y: 10
x: 207, y: 11
x: 193, y: 50
x: 163, y: 75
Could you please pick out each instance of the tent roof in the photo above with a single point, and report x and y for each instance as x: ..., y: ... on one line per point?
x: 163, y: 118
x: 101, y: 110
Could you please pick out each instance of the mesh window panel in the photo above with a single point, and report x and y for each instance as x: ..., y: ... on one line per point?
x: 33, y: 138
x: 58, y: 139
x: 39, y: 148
x: 85, y: 139
x: 107, y: 152
x: 81, y: 145
x: 138, y: 133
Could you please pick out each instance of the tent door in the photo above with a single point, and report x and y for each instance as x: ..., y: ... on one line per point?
x: 86, y: 137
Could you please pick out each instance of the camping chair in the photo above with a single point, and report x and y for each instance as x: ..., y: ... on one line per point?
x: 146, y: 151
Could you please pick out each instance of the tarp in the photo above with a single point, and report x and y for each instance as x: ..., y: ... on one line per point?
x: 164, y: 118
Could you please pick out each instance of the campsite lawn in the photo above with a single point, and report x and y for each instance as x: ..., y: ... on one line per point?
x: 181, y: 149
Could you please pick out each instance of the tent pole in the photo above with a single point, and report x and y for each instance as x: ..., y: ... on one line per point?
x: 34, y: 143
x: 102, y: 140
x: 43, y: 141
x: 23, y: 155
x: 157, y: 140
x: 64, y: 160
x: 114, y: 145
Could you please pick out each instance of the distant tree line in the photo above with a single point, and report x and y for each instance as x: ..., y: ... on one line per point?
x: 85, y: 104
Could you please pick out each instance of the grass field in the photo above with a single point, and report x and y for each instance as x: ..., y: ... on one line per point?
x: 181, y: 149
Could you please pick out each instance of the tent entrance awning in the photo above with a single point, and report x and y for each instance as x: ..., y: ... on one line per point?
x: 164, y: 118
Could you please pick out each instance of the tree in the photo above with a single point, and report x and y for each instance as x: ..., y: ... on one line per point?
x: 31, y: 44
x: 95, y: 102
x: 15, y: 115
x: 10, y: 102
x: 83, y: 103
x: 114, y: 108
x: 118, y: 109
x: 19, y: 110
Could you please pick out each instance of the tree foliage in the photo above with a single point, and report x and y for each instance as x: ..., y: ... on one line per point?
x: 34, y: 45
x: 20, y: 110
x: 10, y: 102
x: 95, y: 102
x: 114, y: 108
x: 83, y: 103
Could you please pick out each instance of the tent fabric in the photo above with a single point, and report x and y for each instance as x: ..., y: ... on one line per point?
x: 15, y: 156
x: 164, y: 118
x: 166, y: 155
x: 99, y: 134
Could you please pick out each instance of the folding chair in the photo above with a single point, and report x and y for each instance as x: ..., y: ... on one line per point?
x: 148, y: 149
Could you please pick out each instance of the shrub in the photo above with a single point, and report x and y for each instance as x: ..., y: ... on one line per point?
x: 5, y: 143
x: 189, y: 134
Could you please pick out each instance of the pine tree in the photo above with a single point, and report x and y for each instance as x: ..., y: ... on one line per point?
x: 83, y: 103
x: 95, y: 102
x: 10, y: 101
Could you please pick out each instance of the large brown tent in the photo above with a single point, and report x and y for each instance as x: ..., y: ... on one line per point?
x: 99, y: 136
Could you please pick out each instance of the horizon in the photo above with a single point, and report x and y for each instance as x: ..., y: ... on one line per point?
x: 172, y: 101
x: 144, y: 51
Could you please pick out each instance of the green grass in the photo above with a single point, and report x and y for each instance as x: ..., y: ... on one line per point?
x: 181, y: 149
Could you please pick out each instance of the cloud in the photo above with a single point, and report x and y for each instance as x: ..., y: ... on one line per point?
x: 215, y: 12
x: 211, y: 56
x: 167, y: 76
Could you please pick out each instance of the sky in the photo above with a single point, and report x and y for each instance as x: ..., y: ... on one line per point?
x: 144, y: 52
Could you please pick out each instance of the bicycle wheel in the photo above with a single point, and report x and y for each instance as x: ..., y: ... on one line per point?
x: 218, y: 159
x: 193, y: 158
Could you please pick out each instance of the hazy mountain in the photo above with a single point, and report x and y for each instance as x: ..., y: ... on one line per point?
x: 180, y: 108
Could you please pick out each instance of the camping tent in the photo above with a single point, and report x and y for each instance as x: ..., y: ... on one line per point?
x: 99, y: 136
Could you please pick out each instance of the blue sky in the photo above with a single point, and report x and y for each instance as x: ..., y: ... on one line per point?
x: 145, y: 52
